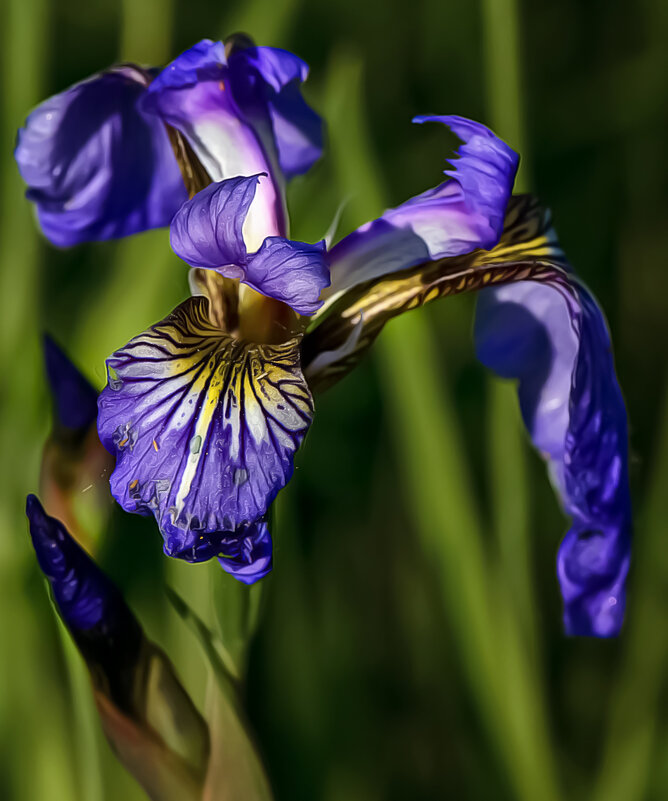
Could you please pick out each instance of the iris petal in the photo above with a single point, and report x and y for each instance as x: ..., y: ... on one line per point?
x: 204, y: 427
x: 194, y: 95
x: 245, y: 553
x: 209, y: 231
x: 456, y: 217
x: 96, y: 166
x: 536, y: 323
x: 527, y: 250
x: 249, y: 557
x: 553, y: 339
x: 292, y: 272
x: 268, y: 80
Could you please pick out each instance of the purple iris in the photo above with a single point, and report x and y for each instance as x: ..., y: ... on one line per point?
x: 99, y: 164
x: 205, y: 411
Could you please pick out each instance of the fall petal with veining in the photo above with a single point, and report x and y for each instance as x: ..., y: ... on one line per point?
x: 204, y: 427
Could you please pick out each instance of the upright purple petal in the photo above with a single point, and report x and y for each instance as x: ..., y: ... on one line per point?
x: 211, y: 229
x: 268, y: 80
x: 485, y: 170
x: 554, y: 340
x: 204, y: 427
x: 96, y: 166
x: 74, y: 398
x: 457, y: 217
x: 194, y: 94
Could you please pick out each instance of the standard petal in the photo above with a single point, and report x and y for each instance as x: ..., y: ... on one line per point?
x: 209, y: 231
x: 194, y: 95
x: 267, y: 79
x: 553, y: 339
x: 455, y: 218
x: 204, y: 427
x: 96, y: 166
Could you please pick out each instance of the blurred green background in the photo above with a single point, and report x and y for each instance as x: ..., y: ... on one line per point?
x: 410, y: 645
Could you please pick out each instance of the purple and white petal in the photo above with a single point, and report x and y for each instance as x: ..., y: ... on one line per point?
x: 96, y: 166
x: 210, y: 230
x: 194, y: 95
x: 554, y: 340
x: 267, y: 81
x: 457, y: 217
x: 204, y: 427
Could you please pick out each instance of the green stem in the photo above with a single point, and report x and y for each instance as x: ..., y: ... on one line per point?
x: 503, y: 78
x: 86, y: 723
x: 37, y: 764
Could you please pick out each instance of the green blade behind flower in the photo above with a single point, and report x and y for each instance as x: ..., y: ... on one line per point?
x: 235, y: 769
x: 435, y: 471
x: 509, y: 477
x: 31, y: 765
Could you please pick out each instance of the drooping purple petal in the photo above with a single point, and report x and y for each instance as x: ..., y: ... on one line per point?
x: 249, y: 556
x: 554, y: 340
x: 457, y: 217
x: 96, y: 166
x: 268, y: 80
x: 245, y: 553
x: 210, y: 230
x: 74, y: 398
x: 204, y: 427
x: 194, y: 94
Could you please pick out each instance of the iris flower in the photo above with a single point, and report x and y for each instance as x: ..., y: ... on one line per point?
x: 205, y: 410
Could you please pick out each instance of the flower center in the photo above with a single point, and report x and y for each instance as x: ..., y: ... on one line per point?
x: 244, y: 313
